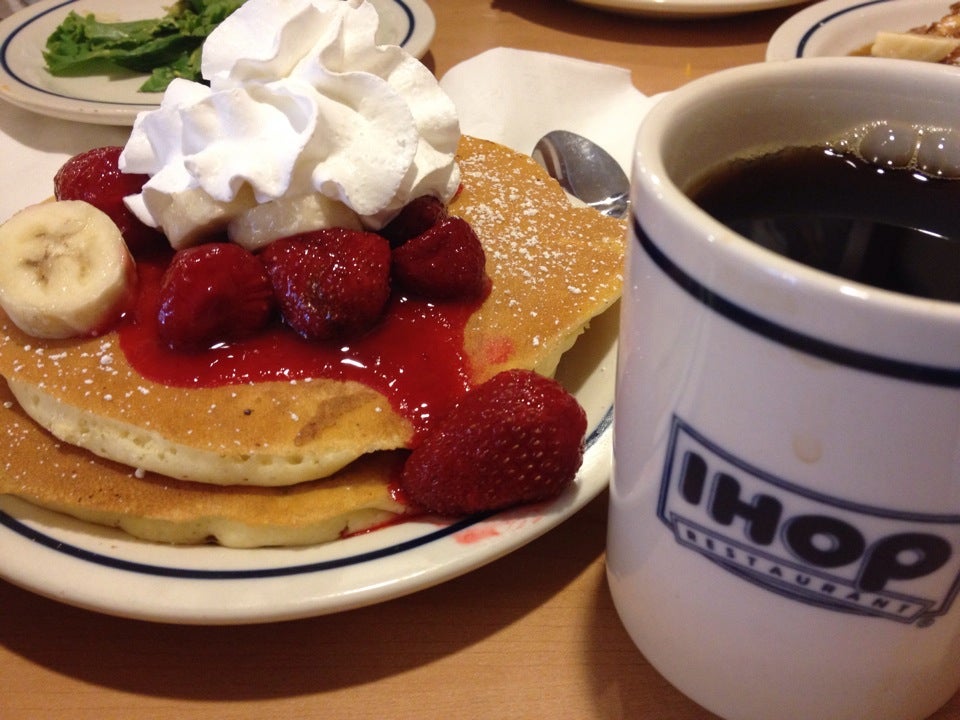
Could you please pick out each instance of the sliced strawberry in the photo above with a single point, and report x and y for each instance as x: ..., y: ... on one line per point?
x: 417, y: 216
x: 516, y: 438
x: 446, y: 262
x: 330, y: 283
x: 213, y: 293
x: 93, y: 176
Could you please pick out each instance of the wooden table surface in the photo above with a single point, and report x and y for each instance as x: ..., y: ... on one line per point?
x: 532, y: 635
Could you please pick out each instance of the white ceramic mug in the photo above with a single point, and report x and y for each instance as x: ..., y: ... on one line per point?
x: 784, y: 537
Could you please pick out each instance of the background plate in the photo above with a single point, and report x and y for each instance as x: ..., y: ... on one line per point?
x: 839, y: 27
x: 115, y: 100
x: 686, y: 8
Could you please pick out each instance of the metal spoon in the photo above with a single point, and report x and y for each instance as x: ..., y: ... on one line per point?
x: 585, y: 170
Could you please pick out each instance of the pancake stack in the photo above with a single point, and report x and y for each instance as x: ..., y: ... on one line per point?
x: 292, y: 463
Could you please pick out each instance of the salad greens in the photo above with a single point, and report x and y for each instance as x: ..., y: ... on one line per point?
x: 167, y: 47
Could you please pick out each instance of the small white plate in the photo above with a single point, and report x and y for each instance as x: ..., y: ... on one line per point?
x: 835, y: 28
x: 686, y: 8
x: 115, y: 99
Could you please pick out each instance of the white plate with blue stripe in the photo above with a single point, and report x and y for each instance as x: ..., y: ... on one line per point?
x: 836, y: 28
x: 115, y: 99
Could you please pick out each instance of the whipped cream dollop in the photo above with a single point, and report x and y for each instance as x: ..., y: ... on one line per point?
x: 305, y: 115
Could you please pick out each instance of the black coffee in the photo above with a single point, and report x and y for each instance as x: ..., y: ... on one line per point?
x: 893, y: 228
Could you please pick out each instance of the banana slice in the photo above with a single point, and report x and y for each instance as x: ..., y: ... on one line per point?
x: 66, y: 270
x: 191, y: 217
x: 261, y: 225
x: 911, y: 46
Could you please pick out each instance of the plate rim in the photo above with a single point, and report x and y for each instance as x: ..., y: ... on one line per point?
x: 687, y: 8
x: 419, y: 33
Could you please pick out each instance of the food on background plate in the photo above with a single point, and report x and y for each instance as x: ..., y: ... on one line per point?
x: 275, y: 436
x: 165, y: 48
x: 937, y: 42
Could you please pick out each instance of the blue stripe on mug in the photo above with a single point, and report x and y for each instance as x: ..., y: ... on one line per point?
x: 931, y: 375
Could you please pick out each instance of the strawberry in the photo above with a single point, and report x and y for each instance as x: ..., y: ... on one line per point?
x: 330, y: 283
x: 516, y: 438
x: 93, y: 176
x: 417, y: 216
x: 213, y: 293
x: 443, y: 263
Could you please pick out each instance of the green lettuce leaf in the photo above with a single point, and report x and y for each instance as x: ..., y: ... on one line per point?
x: 165, y: 47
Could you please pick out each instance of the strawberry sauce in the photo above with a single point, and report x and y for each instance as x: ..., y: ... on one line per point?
x: 414, y: 356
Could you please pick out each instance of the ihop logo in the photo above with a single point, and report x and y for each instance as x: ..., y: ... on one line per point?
x: 805, y: 545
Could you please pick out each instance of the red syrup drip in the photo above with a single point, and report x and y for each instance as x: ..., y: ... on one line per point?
x: 414, y: 356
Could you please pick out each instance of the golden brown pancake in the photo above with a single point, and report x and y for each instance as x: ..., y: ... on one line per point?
x: 58, y: 476
x: 553, y: 268
x: 125, y: 438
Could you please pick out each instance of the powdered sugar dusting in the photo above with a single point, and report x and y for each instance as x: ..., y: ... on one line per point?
x: 545, y: 254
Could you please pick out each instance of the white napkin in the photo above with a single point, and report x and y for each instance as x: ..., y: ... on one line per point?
x: 515, y: 96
